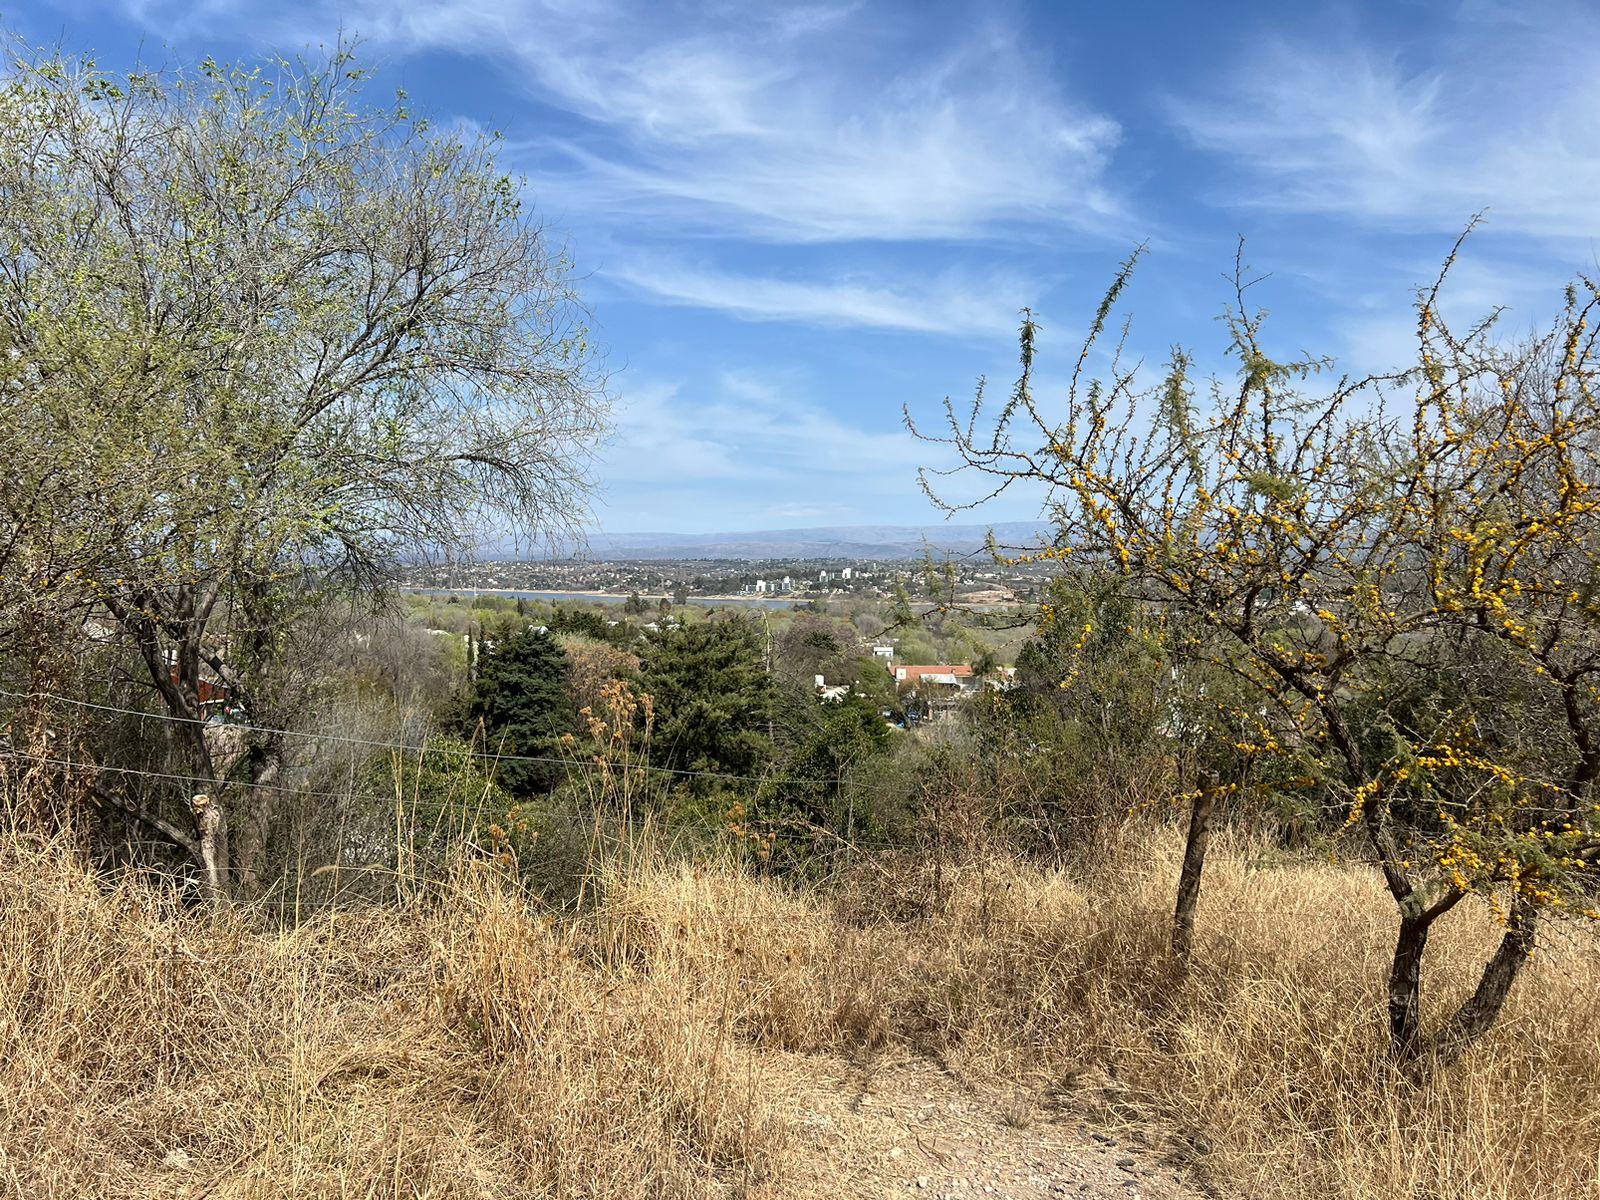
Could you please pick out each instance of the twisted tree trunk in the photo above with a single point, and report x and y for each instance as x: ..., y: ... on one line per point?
x: 1190, y: 875
x: 211, y: 828
x: 1481, y: 1010
x: 1405, y: 986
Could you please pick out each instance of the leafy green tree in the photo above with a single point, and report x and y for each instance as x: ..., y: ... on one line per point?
x: 520, y: 698
x: 712, y: 694
x: 583, y: 621
x: 290, y: 339
x: 870, y: 677
x: 831, y: 741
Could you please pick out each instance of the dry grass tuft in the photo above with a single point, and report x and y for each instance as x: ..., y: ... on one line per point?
x: 475, y: 1046
x: 462, y: 1049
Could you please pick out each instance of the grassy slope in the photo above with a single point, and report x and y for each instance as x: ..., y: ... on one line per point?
x: 467, y: 1046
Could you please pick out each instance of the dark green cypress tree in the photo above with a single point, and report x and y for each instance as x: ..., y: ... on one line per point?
x: 713, y: 696
x: 520, y: 697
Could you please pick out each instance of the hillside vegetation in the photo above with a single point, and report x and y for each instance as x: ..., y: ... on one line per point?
x: 468, y: 1044
x: 1268, y: 837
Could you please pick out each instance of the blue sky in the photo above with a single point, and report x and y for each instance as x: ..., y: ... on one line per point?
x: 792, y: 220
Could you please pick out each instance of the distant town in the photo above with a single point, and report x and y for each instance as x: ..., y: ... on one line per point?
x: 971, y: 582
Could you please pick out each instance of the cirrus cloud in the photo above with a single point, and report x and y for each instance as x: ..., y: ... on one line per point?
x: 1496, y: 114
x: 812, y: 124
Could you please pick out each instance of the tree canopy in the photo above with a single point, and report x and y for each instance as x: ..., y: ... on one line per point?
x: 1377, y: 593
x: 520, y: 697
x: 261, y: 339
x: 713, y: 696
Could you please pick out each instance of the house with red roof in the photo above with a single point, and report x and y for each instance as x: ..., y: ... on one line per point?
x: 951, y: 675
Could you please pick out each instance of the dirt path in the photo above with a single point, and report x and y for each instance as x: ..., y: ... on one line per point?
x: 897, y: 1129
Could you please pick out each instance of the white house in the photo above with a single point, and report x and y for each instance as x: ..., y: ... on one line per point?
x: 955, y: 675
x: 832, y: 694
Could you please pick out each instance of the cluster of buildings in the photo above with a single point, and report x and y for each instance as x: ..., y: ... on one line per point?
x: 983, y: 584
x: 536, y: 575
x: 929, y: 692
x: 826, y: 581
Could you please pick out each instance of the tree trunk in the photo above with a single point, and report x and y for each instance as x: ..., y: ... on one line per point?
x: 211, y: 826
x: 177, y: 682
x: 264, y: 803
x: 1405, y: 986
x: 1481, y: 1010
x: 1194, y: 862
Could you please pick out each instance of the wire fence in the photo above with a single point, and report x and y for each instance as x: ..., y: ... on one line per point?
x: 595, y: 766
x: 431, y: 748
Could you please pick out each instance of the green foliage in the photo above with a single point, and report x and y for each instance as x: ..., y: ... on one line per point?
x: 712, y: 694
x: 243, y: 390
x: 585, y: 621
x: 1102, y: 659
x: 832, y: 741
x: 441, y: 792
x: 520, y: 698
x: 871, y: 678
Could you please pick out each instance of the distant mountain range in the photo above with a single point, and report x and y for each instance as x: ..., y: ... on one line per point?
x: 831, y: 541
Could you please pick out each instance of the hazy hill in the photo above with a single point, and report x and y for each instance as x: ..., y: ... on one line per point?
x: 829, y: 541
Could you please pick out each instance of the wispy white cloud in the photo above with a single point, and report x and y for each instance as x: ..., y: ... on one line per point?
x: 764, y: 452
x: 745, y: 427
x: 940, y: 302
x: 1496, y: 113
x: 664, y: 437
x: 1340, y: 128
x: 760, y: 444
x: 808, y: 124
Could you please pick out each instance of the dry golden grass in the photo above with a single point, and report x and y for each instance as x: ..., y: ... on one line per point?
x: 463, y: 1048
x: 468, y: 1045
